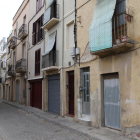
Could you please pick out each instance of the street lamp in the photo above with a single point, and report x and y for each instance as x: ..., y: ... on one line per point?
x: 21, y: 39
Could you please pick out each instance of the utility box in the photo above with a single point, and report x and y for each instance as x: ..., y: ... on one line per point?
x: 73, y: 51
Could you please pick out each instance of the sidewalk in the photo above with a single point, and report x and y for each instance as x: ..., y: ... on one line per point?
x: 90, y: 132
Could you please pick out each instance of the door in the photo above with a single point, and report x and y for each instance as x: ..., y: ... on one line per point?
x: 86, y: 93
x: 36, y: 95
x: 7, y: 92
x: 17, y: 91
x: 71, y: 94
x: 54, y: 94
x: 112, y: 101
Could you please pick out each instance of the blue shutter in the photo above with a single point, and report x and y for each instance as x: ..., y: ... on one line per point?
x: 100, y: 32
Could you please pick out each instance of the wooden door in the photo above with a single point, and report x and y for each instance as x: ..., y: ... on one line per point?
x: 36, y: 95
x: 71, y: 94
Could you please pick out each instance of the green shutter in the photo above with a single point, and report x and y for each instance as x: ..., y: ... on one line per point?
x: 100, y: 32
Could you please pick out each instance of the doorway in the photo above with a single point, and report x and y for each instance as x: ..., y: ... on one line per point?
x: 71, y: 92
x: 17, y: 90
x: 85, y: 91
x: 111, y: 114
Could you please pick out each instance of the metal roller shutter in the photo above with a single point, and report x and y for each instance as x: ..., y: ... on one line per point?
x: 54, y: 94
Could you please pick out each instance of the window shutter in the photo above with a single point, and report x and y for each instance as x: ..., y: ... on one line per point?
x: 41, y: 30
x: 37, y: 62
x: 34, y: 34
x: 37, y: 2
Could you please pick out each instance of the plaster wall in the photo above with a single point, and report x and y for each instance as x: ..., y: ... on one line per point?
x: 126, y: 64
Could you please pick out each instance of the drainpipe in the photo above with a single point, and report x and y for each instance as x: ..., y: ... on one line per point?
x: 75, y: 29
x: 62, y: 58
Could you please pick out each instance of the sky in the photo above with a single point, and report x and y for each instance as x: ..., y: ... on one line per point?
x: 8, y: 9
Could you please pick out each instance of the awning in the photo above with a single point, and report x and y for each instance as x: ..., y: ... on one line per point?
x: 100, y: 32
x: 50, y: 2
x: 51, y: 42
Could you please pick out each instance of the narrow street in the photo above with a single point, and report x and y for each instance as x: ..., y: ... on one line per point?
x: 16, y: 124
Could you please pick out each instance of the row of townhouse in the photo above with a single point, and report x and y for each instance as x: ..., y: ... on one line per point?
x: 79, y: 59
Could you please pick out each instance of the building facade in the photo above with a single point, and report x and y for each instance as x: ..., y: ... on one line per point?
x: 82, y: 62
x: 17, y: 55
x: 106, y: 90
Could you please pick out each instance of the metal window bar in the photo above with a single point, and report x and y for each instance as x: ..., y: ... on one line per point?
x: 21, y: 64
x: 122, y: 29
x: 50, y: 59
x: 13, y: 41
x: 22, y: 29
x: 54, y: 8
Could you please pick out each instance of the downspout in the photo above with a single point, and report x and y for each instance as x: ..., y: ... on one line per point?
x: 75, y: 28
x: 62, y: 59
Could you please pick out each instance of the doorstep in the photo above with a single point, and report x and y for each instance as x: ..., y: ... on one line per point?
x: 87, y: 131
x: 84, y: 121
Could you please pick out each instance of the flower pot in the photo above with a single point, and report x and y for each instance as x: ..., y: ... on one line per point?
x: 128, y: 17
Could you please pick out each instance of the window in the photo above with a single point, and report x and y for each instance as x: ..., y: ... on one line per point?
x: 119, y: 21
x: 37, y: 61
x: 38, y: 5
x: 8, y: 49
x: 70, y: 35
x: 37, y: 31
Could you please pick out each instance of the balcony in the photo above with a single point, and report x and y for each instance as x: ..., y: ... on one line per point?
x: 13, y: 43
x: 122, y: 36
x: 21, y: 66
x: 3, y: 80
x: 3, y: 65
x: 51, y: 17
x: 50, y: 62
x: 22, y: 31
x: 11, y: 71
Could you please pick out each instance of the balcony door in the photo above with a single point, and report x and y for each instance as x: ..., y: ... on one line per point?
x: 24, y: 55
x: 24, y: 22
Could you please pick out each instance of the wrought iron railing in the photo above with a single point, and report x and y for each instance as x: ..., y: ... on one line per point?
x: 3, y: 80
x: 54, y: 13
x: 22, y: 29
x: 11, y: 69
x: 122, y: 29
x: 13, y: 41
x: 51, y: 59
x: 21, y: 64
x: 3, y: 64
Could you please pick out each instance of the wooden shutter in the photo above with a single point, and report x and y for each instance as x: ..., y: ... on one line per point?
x: 34, y: 34
x: 37, y: 62
x: 41, y: 24
x: 37, y: 3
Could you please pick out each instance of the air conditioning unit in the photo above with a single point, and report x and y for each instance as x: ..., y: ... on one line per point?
x: 72, y: 51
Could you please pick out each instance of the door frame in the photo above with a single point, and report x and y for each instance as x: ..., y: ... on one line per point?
x: 116, y: 74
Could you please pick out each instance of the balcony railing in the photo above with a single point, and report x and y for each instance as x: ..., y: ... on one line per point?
x: 22, y: 31
x: 51, y: 16
x: 3, y: 80
x: 50, y: 60
x: 21, y: 66
x: 122, y: 35
x: 3, y: 65
x: 11, y: 70
x: 13, y: 43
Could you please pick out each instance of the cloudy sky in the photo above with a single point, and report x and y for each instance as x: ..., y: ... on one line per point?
x: 8, y: 9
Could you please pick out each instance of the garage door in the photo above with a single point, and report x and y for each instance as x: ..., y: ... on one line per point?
x: 54, y: 93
